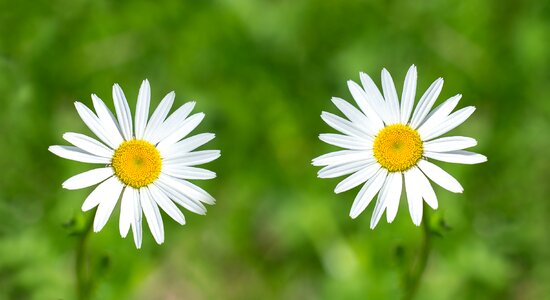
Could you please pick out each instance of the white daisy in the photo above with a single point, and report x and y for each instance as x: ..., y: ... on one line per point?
x: 145, y: 161
x: 386, y: 146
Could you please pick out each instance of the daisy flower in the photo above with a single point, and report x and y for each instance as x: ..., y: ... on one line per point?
x: 387, y: 144
x: 146, y: 162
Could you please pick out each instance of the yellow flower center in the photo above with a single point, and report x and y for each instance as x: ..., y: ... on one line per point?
x: 137, y: 163
x: 397, y: 147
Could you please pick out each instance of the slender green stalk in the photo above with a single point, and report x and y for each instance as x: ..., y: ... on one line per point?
x: 414, y: 275
x: 82, y: 263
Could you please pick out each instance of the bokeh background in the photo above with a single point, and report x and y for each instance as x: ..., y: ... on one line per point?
x: 263, y: 71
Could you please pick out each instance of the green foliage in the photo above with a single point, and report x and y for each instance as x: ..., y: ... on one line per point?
x: 262, y: 71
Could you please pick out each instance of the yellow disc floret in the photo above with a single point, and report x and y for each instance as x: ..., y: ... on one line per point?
x: 137, y: 163
x: 397, y: 147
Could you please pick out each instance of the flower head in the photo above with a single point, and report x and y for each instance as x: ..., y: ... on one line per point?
x: 387, y: 144
x: 147, y: 162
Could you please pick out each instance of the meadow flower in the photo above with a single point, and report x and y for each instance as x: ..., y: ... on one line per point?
x: 388, y: 144
x: 146, y: 162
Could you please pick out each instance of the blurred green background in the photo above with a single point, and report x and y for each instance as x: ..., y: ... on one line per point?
x: 263, y: 71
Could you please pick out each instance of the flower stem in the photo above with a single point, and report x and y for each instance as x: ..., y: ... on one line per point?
x: 414, y: 275
x: 82, y: 263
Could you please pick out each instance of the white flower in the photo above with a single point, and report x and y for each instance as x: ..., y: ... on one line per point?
x: 386, y: 146
x: 145, y: 161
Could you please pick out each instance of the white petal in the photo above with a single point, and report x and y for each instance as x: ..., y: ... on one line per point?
x: 123, y: 112
x: 450, y: 123
x: 88, y: 178
x: 357, y: 178
x: 340, y: 157
x: 76, y: 154
x: 370, y: 107
x: 159, y: 115
x: 192, y: 158
x: 373, y: 97
x: 91, y: 120
x: 345, y: 141
x: 142, y: 108
x: 414, y: 197
x: 389, y: 194
x: 152, y: 215
x: 390, y: 94
x: 107, y: 119
x: 440, y: 113
x: 188, y: 144
x: 343, y: 125
x: 172, y: 123
x: 189, y: 173
x: 426, y: 102
x: 166, y: 204
x: 127, y: 210
x: 392, y: 204
x: 106, y: 205
x: 427, y: 191
x: 190, y: 190
x: 450, y: 143
x: 173, y: 190
x: 186, y: 127
x: 103, y: 191
x: 88, y: 144
x: 407, y: 98
x: 355, y: 116
x: 136, y: 219
x: 367, y: 192
x: 439, y: 176
x: 457, y: 157
x: 333, y: 171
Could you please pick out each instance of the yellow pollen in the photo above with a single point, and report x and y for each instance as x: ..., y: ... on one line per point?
x: 137, y: 163
x: 397, y: 147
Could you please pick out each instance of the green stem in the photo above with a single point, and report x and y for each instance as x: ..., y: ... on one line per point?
x: 82, y: 263
x: 415, y: 273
